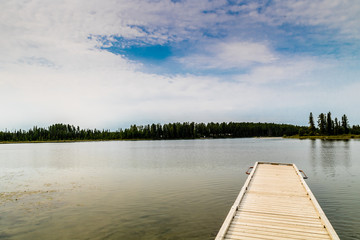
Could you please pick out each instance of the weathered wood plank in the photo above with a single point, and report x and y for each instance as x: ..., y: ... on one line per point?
x: 276, y: 203
x: 287, y: 232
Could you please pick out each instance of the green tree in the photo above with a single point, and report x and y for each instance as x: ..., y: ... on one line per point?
x: 322, y: 123
x: 329, y: 124
x: 312, y: 127
x: 336, y: 127
x: 345, y: 124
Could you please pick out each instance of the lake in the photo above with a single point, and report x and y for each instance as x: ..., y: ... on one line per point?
x: 180, y: 189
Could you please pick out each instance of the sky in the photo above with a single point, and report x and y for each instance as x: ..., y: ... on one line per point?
x: 108, y: 64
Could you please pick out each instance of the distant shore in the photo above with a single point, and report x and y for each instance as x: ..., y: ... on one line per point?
x: 324, y: 137
x: 135, y: 139
x: 53, y: 141
x: 70, y: 141
x: 331, y: 137
x: 269, y: 137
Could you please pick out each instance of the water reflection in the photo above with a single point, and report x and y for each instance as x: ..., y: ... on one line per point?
x: 159, y: 189
x: 327, y: 157
x: 335, y: 182
x: 330, y: 156
x: 313, y: 155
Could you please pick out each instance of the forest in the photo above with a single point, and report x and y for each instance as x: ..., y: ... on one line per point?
x: 326, y: 126
x: 185, y: 130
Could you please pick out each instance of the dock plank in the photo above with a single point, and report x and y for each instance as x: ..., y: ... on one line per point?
x: 276, y: 203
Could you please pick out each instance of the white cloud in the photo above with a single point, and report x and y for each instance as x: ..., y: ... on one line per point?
x: 228, y: 55
x: 341, y: 15
x: 50, y: 71
x: 298, y: 71
x: 98, y: 94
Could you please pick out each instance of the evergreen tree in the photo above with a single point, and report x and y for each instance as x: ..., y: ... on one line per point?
x: 329, y: 124
x: 322, y: 123
x: 311, y: 124
x: 345, y: 124
x: 336, y: 127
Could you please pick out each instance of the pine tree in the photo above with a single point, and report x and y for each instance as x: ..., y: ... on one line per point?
x: 345, y: 124
x: 322, y: 123
x: 312, y: 124
x: 329, y: 124
x: 336, y: 127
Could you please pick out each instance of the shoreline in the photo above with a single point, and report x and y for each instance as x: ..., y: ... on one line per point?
x: 324, y: 137
x: 334, y: 137
x: 135, y: 139
x: 62, y: 141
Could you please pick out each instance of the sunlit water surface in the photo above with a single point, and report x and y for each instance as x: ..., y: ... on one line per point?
x: 159, y: 189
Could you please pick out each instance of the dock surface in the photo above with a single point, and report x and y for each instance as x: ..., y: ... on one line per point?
x: 276, y: 203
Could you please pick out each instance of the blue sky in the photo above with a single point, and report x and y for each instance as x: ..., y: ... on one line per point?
x: 109, y: 64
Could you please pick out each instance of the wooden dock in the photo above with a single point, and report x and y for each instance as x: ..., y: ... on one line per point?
x: 276, y: 203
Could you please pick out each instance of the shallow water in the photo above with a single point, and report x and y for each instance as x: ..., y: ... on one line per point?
x: 159, y: 189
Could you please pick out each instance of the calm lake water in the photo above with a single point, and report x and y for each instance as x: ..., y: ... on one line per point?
x: 159, y: 189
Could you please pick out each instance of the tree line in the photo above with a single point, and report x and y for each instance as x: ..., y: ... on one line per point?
x: 185, y: 130
x: 326, y: 125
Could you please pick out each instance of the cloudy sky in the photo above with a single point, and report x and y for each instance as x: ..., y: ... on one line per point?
x: 112, y: 63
